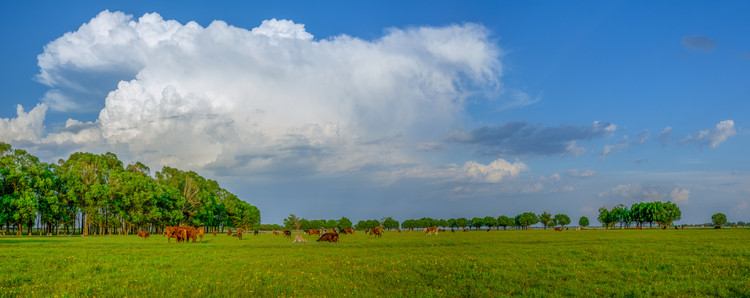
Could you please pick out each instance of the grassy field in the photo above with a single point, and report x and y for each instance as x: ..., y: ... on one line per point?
x: 536, y: 263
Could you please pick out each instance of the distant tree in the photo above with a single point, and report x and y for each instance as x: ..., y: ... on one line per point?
x: 452, y: 223
x: 604, y: 216
x: 462, y: 222
x: 489, y: 221
x: 527, y: 219
x: 389, y: 223
x: 477, y: 222
x: 373, y: 223
x: 669, y: 213
x: 584, y: 221
x: 361, y: 225
x: 292, y: 222
x: 562, y: 220
x: 546, y: 219
x: 504, y: 221
x: 344, y: 223
x: 305, y: 224
x: 443, y: 223
x: 719, y: 219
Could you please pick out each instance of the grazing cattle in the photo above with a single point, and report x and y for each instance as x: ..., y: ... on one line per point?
x: 675, y: 228
x: 558, y: 229
x: 229, y: 233
x: 466, y: 230
x: 453, y: 231
x: 255, y: 233
x: 349, y: 231
x: 299, y: 239
x: 214, y: 233
x: 143, y: 234
x: 734, y: 226
x: 399, y: 230
x: 240, y: 231
x: 312, y: 231
x: 329, y: 237
x: 287, y: 233
x: 177, y: 233
x: 717, y: 227
x: 638, y: 228
x: 235, y: 235
x: 277, y: 233
x: 331, y: 231
x: 578, y: 229
x: 200, y: 231
x: 488, y: 229
x: 663, y: 228
x: 428, y: 231
x: 169, y: 232
x: 377, y: 231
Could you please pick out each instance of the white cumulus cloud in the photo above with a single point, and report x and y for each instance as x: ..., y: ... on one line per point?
x: 268, y: 99
x: 680, y: 197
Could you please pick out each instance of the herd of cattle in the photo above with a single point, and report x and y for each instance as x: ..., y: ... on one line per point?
x: 184, y: 234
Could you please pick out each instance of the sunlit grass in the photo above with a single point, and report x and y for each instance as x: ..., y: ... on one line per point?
x: 620, y: 263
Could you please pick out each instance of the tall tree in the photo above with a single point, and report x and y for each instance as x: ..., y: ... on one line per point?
x: 719, y: 219
x: 292, y: 222
x: 546, y: 219
x: 584, y: 221
x: 562, y: 220
x: 462, y: 222
x: 504, y: 221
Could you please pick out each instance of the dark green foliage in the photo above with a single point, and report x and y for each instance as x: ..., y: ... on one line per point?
x: 719, y: 219
x: 98, y: 194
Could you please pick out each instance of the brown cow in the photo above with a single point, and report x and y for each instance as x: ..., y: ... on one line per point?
x: 717, y: 227
x: 143, y: 234
x: 235, y: 235
x: 313, y: 231
x: 230, y: 232
x: 214, y: 233
x: 578, y: 229
x: 430, y: 230
x: 399, y: 230
x: 329, y: 237
x: 200, y: 231
x: 663, y: 228
x: 287, y: 233
x: 453, y: 231
x: 377, y: 231
x: 255, y: 233
x: 466, y: 230
x: 240, y: 231
x: 190, y: 232
x: 177, y: 233
x: 558, y: 229
x: 639, y: 228
x: 275, y: 233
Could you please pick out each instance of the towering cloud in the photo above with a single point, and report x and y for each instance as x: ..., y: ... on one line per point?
x: 260, y: 100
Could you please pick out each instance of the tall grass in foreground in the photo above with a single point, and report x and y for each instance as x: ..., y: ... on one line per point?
x: 536, y: 263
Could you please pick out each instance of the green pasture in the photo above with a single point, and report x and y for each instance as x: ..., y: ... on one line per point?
x: 536, y: 263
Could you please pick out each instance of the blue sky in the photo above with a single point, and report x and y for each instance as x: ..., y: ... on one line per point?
x: 398, y: 109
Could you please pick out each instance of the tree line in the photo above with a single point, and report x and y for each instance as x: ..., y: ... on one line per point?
x: 663, y: 214
x: 99, y: 195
